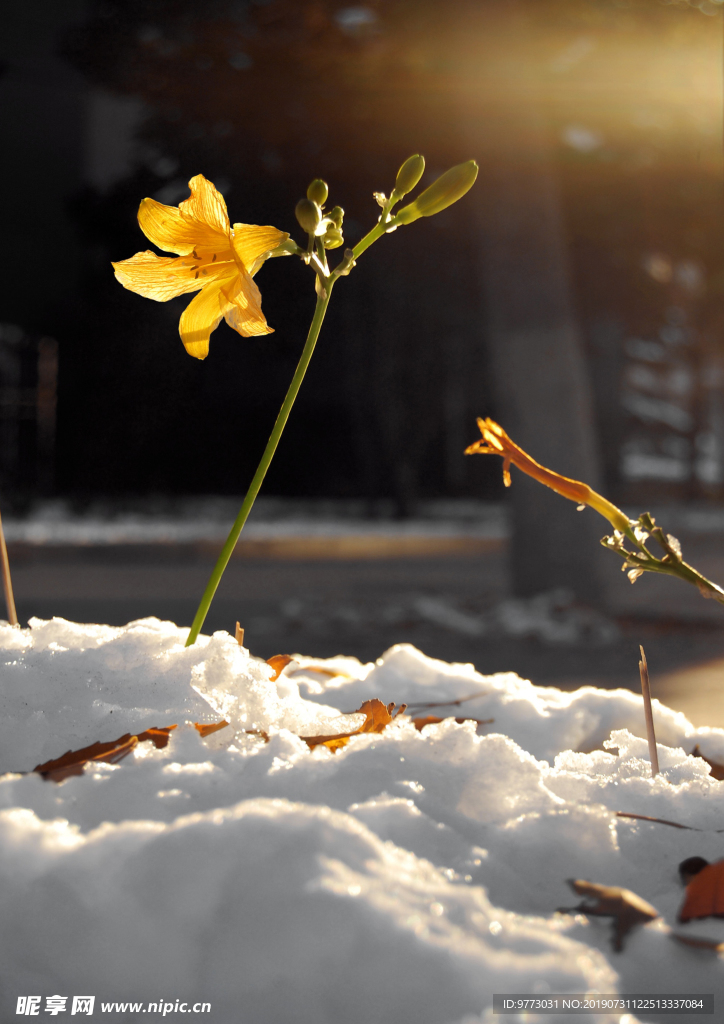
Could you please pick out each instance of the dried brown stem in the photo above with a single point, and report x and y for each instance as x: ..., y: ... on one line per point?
x: 7, y: 582
x: 648, y: 714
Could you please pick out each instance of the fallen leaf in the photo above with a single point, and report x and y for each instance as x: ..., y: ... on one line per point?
x: 333, y: 673
x: 258, y: 732
x: 377, y: 717
x: 690, y: 867
x: 627, y: 909
x: 73, y: 762
x: 420, y: 723
x: 717, y: 770
x: 704, y: 894
x: 278, y: 663
x: 204, y: 729
x: 692, y: 940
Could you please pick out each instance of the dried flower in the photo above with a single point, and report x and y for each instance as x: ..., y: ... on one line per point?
x: 496, y: 442
x: 213, y: 258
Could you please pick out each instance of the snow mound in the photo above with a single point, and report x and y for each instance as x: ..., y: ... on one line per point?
x: 408, y: 877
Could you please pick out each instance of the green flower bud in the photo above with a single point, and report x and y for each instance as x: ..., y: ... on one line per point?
x: 332, y: 238
x: 318, y: 192
x: 337, y: 215
x: 407, y: 214
x: 308, y: 214
x: 449, y: 187
x: 409, y: 174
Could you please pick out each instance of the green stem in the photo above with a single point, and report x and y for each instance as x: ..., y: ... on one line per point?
x: 254, y: 487
x: 646, y: 561
x: 377, y: 232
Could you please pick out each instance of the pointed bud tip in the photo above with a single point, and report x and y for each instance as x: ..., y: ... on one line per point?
x: 449, y: 187
x: 409, y: 174
x: 446, y: 190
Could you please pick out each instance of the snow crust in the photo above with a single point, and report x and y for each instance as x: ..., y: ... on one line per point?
x: 405, y: 878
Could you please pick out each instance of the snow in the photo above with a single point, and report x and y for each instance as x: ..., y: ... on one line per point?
x: 407, y: 877
x: 206, y: 520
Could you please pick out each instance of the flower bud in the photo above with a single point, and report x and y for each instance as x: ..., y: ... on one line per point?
x: 337, y: 215
x: 449, y: 187
x: 332, y: 238
x: 407, y: 214
x: 318, y: 192
x: 308, y: 214
x: 409, y: 174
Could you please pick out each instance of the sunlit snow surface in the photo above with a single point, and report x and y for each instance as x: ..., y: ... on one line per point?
x: 405, y: 878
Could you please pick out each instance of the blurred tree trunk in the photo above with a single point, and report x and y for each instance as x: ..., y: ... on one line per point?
x: 543, y: 391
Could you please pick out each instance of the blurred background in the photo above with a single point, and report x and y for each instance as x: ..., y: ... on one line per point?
x: 576, y: 294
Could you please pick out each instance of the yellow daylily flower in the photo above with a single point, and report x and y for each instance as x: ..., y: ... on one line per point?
x: 496, y: 442
x: 214, y: 259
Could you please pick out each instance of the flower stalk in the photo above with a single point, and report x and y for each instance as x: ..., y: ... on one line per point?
x: 219, y: 259
x: 258, y: 478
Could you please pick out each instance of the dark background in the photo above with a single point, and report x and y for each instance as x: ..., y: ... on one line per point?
x: 575, y: 293
x: 106, y: 102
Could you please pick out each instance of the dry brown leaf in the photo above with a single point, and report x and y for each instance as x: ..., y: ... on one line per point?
x: 377, y: 717
x: 627, y: 909
x: 704, y: 894
x: 692, y: 940
x: 717, y: 770
x: 206, y: 729
x: 278, y: 662
x: 73, y: 762
x: 420, y: 723
x: 331, y: 672
x: 258, y: 732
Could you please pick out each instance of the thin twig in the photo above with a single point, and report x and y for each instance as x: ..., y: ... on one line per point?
x: 648, y: 714
x: 658, y: 821
x: 239, y: 635
x: 448, y: 703
x: 7, y: 582
x: 664, y: 821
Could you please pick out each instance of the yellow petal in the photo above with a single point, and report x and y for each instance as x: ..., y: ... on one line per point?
x: 203, y: 314
x: 206, y: 205
x: 157, y: 277
x: 244, y: 313
x: 167, y: 227
x: 252, y: 244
